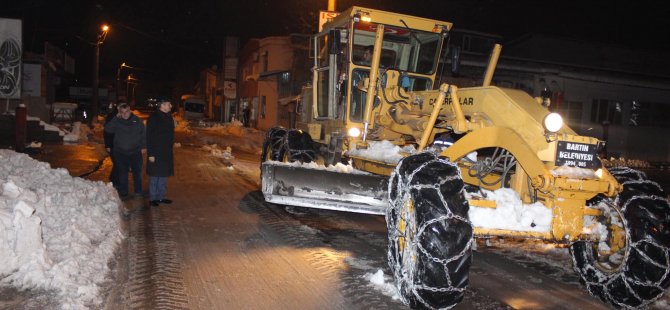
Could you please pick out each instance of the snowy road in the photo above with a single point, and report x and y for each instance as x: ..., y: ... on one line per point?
x: 219, y: 245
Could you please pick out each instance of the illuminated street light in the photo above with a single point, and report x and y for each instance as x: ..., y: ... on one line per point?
x: 130, y: 80
x: 118, y: 78
x: 96, y: 67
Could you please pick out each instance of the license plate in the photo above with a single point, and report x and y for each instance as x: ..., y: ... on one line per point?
x: 577, y: 155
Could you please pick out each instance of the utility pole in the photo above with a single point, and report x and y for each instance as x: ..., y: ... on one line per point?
x: 95, y: 108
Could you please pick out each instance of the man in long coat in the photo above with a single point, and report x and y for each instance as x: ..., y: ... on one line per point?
x: 160, y: 140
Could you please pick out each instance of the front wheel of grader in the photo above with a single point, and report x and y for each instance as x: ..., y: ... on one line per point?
x: 430, y: 236
x: 273, y: 144
x: 630, y: 267
x: 297, y: 146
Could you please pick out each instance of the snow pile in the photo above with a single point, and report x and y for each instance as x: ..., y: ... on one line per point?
x: 50, y: 127
x: 382, y: 151
x: 215, y: 151
x: 231, y: 129
x: 56, y: 232
x: 510, y: 213
x: 379, y: 282
x: 79, y: 133
x: 181, y: 124
x: 573, y: 172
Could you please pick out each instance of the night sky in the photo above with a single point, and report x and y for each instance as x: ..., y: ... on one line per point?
x: 174, y: 40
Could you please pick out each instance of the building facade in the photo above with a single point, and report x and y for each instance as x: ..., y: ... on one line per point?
x: 615, y: 94
x: 271, y: 69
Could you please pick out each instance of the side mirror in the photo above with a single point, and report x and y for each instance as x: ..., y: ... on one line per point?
x: 455, y: 59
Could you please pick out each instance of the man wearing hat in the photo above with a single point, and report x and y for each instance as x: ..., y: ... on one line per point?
x: 160, y: 160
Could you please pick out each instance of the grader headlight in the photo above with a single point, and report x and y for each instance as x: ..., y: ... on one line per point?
x: 354, y: 132
x: 553, y: 122
x: 599, y: 173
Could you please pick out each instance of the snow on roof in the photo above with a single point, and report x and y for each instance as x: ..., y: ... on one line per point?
x: 56, y: 232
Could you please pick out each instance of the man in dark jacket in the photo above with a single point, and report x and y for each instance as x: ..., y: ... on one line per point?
x: 129, y: 144
x: 109, y: 146
x: 160, y: 162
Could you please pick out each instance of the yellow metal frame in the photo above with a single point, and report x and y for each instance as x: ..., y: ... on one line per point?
x: 489, y: 117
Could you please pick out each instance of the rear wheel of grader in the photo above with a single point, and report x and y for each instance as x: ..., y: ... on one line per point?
x: 630, y: 268
x: 430, y: 236
x: 297, y: 146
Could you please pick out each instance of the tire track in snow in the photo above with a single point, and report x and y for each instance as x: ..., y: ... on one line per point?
x: 154, y: 268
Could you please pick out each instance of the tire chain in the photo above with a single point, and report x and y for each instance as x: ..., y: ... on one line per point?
x: 629, y: 176
x: 325, y: 262
x: 397, y: 205
x: 155, y: 279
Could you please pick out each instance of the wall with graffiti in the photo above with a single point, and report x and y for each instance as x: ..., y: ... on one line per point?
x: 11, y: 47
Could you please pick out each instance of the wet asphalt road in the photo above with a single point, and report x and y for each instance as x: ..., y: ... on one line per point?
x: 220, y: 246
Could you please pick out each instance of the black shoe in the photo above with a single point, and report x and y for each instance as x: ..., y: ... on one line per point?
x: 154, y: 203
x: 166, y: 201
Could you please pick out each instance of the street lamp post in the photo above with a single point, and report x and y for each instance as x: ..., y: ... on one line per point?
x: 118, y: 78
x: 130, y: 80
x: 96, y: 66
x: 133, y: 92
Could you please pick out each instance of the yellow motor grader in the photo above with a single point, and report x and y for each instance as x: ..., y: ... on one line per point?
x: 457, y: 148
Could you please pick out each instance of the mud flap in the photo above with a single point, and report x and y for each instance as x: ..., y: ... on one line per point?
x: 291, y: 184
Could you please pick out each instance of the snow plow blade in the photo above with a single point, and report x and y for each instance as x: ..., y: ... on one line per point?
x: 288, y: 184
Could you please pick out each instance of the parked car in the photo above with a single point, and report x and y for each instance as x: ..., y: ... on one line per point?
x: 193, y: 107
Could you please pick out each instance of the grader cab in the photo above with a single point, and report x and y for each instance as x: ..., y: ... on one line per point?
x: 380, y: 136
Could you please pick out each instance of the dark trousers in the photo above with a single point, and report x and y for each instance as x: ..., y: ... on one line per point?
x: 114, y: 174
x: 132, y: 162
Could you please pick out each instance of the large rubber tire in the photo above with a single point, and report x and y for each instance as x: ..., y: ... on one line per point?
x: 644, y: 272
x: 297, y: 146
x: 272, y: 145
x: 430, y: 235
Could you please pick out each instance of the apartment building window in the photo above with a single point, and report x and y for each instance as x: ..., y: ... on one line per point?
x: 606, y: 110
x: 651, y: 114
x: 284, y: 85
x: 572, y: 110
x: 264, y: 62
x: 263, y: 107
